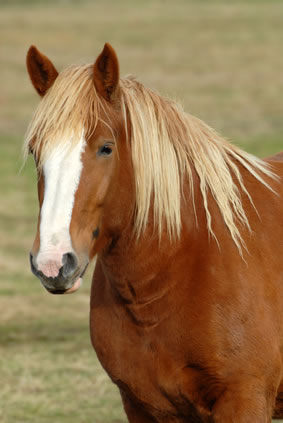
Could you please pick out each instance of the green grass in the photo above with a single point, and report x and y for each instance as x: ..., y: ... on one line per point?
x: 222, y: 59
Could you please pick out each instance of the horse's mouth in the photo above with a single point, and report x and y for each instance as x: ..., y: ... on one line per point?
x: 73, y: 288
x: 48, y: 283
x: 56, y: 291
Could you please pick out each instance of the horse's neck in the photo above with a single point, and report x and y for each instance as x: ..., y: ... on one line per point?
x: 139, y: 267
x: 144, y: 274
x: 136, y: 277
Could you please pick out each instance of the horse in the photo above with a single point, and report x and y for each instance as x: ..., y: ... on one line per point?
x: 187, y: 291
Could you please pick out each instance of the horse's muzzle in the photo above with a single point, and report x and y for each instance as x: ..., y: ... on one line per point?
x: 69, y: 276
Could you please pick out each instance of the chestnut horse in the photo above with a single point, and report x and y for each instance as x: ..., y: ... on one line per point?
x: 187, y: 293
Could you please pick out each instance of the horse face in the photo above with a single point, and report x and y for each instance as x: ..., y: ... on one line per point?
x: 73, y: 184
x: 72, y: 188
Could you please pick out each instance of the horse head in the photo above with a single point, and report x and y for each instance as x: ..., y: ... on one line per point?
x: 74, y: 137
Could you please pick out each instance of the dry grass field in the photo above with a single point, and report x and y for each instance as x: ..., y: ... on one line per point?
x: 222, y: 59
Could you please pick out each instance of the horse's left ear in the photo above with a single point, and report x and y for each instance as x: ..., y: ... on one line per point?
x: 41, y: 70
x: 106, y: 73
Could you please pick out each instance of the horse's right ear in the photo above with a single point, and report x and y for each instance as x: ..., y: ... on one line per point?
x: 41, y: 70
x: 106, y: 73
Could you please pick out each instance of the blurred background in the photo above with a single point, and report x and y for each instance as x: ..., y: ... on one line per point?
x: 223, y: 60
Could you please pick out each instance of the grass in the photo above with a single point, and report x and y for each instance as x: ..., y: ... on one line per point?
x: 222, y: 59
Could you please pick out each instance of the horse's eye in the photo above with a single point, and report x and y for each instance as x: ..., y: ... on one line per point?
x: 105, y: 150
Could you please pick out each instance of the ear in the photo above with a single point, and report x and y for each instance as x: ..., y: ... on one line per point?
x: 106, y: 73
x: 41, y: 70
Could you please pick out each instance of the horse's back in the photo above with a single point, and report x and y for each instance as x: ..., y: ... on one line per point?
x: 276, y: 163
x: 278, y: 157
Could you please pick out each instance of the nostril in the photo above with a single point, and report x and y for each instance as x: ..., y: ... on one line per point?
x: 70, y: 264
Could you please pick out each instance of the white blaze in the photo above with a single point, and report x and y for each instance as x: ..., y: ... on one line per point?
x: 61, y: 171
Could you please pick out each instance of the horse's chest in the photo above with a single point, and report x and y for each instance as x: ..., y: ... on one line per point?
x: 127, y: 356
x: 138, y: 363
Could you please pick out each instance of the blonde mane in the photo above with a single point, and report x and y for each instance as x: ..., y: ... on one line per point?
x: 166, y: 143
